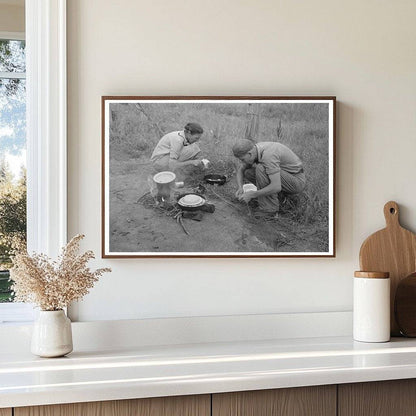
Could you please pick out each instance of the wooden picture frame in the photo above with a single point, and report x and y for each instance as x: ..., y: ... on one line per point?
x: 140, y: 220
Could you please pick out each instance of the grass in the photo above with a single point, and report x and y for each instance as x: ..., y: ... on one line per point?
x: 134, y: 132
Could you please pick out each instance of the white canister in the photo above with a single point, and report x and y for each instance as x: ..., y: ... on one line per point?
x: 371, y: 314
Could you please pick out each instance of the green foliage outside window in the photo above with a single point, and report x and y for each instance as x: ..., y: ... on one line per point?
x: 12, y: 223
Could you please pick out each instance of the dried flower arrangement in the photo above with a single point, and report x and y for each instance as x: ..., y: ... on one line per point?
x: 53, y: 285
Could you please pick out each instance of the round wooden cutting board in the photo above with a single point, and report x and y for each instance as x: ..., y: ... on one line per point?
x: 393, y: 250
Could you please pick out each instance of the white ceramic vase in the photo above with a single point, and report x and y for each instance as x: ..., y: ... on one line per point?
x: 52, y: 334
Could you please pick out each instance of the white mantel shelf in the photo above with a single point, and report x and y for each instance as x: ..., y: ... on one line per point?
x: 151, y: 371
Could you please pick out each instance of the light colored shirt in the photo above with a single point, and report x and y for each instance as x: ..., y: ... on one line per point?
x: 276, y: 156
x: 170, y: 144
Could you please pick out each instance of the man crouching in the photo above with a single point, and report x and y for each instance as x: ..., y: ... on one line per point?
x: 178, y: 151
x: 273, y: 168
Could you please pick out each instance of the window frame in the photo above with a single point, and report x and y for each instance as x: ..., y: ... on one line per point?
x: 46, y: 137
x: 12, y: 35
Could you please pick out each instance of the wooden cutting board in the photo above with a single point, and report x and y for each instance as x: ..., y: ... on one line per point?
x: 393, y: 250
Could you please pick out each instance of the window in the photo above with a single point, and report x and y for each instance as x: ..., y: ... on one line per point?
x: 45, y: 27
x: 12, y: 153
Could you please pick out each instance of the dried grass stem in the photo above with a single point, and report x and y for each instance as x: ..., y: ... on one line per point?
x: 53, y: 285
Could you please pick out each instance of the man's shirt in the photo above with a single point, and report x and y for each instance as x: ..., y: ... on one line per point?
x: 276, y: 156
x: 170, y: 144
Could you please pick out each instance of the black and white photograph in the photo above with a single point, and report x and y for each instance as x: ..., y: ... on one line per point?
x: 218, y: 176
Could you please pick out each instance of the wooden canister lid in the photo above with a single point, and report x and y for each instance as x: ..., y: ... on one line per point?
x: 372, y: 275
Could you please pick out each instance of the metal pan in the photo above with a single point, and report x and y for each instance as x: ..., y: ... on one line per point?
x: 192, y: 207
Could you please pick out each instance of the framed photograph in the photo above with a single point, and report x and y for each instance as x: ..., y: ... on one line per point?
x: 218, y: 176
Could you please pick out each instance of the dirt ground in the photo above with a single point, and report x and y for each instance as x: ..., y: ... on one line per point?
x: 137, y: 224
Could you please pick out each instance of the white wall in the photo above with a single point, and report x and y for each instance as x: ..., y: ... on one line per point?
x: 363, y: 52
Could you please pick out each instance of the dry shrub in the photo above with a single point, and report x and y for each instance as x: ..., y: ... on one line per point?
x: 53, y: 285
